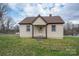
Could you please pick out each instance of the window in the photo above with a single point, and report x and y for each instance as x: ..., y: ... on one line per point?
x: 28, y: 27
x: 53, y: 27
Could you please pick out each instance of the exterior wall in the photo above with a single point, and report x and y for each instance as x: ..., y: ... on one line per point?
x: 38, y: 33
x: 24, y: 32
x: 39, y: 21
x: 58, y: 34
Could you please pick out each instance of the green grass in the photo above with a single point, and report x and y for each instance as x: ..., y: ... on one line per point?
x: 11, y: 45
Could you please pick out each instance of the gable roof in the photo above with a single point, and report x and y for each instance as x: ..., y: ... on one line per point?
x: 47, y: 19
x: 40, y: 17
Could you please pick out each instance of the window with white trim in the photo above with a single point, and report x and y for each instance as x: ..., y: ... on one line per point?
x: 53, y: 28
x: 28, y: 28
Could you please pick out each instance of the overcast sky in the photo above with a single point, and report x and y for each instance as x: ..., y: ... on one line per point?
x: 67, y: 11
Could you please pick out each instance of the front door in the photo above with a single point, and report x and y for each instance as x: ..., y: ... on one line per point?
x: 39, y: 31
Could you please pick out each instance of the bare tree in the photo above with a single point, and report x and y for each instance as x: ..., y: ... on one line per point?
x: 16, y: 28
x: 68, y: 28
x: 9, y: 23
x: 71, y: 29
x: 3, y: 11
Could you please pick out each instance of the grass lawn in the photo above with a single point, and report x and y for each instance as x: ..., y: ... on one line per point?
x: 11, y: 45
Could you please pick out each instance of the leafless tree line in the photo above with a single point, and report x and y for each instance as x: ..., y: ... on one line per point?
x: 71, y: 29
x: 6, y: 22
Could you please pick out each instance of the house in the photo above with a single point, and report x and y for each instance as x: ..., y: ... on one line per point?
x: 42, y: 26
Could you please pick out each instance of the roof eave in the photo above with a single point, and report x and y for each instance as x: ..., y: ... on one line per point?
x: 24, y: 23
x: 55, y: 23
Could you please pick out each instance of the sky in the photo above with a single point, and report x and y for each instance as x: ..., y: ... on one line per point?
x: 68, y: 11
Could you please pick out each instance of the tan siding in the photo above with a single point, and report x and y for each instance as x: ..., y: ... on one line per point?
x: 39, y: 21
x: 57, y: 34
x: 23, y: 31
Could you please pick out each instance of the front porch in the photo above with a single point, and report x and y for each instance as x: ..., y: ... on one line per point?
x: 39, y: 31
